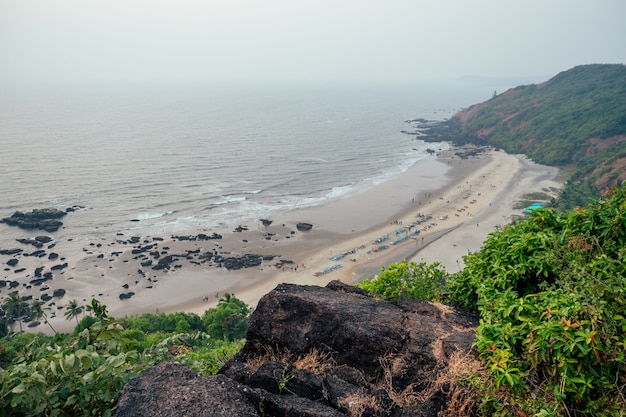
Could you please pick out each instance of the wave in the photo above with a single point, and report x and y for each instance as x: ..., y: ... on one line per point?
x: 150, y: 216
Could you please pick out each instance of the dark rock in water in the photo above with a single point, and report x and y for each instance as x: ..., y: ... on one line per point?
x: 304, y: 227
x: 146, y: 263
x: 125, y: 296
x: 52, y: 256
x: 12, y: 262
x: 3, y: 283
x: 361, y: 347
x: 43, y: 219
x: 14, y: 284
x: 240, y: 229
x: 265, y: 222
x: 45, y: 297
x: 38, y: 271
x: 58, y: 293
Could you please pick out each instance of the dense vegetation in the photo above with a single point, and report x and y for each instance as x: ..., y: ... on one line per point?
x: 82, y: 374
x: 576, y: 121
x: 550, y: 292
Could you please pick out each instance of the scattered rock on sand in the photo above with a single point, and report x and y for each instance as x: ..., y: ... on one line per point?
x: 10, y: 251
x: 58, y: 293
x: 304, y: 227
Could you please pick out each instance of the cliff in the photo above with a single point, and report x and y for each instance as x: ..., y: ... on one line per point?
x: 575, y: 121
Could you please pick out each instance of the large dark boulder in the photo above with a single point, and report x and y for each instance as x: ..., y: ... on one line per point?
x: 324, y: 352
x: 301, y: 318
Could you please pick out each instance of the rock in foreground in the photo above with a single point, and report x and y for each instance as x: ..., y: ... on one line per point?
x: 319, y: 351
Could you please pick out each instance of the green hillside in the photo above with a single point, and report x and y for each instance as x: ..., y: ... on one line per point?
x: 576, y: 120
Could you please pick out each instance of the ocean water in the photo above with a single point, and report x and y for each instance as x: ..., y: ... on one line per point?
x: 160, y: 160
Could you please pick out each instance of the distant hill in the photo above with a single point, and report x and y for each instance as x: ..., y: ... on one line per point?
x: 576, y: 121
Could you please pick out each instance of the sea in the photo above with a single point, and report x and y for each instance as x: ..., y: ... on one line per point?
x: 182, y: 158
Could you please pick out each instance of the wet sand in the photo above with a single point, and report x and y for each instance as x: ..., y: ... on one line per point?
x: 464, y: 198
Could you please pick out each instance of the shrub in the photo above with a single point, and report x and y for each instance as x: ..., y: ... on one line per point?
x: 419, y: 281
x: 229, y: 320
x: 551, y: 293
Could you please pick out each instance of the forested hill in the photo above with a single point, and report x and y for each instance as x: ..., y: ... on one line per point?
x: 576, y: 120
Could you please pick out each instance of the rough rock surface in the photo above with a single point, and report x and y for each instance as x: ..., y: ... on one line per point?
x: 175, y: 390
x: 319, y: 352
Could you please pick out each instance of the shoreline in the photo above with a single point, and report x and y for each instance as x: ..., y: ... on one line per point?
x: 465, y: 197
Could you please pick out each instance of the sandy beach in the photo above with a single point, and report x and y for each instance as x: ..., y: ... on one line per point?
x: 441, y: 208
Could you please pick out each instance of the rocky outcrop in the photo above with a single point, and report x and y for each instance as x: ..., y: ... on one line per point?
x: 43, y: 219
x: 320, y: 351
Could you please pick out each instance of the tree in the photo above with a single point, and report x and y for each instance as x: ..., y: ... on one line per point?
x: 229, y: 320
x: 98, y: 309
x: 37, y: 312
x: 15, y: 309
x: 73, y: 310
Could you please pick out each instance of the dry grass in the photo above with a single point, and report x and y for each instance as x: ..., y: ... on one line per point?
x: 359, y: 403
x: 317, y: 362
x: 269, y: 354
x: 448, y: 378
x: 461, y: 397
x: 393, y: 366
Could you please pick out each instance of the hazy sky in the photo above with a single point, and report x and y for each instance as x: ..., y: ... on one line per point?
x: 304, y: 40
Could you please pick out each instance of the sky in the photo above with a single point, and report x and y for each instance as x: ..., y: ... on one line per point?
x: 363, y: 41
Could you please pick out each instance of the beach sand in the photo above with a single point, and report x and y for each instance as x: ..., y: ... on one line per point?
x: 466, y: 199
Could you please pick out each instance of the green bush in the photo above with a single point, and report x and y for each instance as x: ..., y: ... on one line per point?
x: 229, y: 320
x: 408, y: 280
x: 551, y: 293
x: 83, y: 374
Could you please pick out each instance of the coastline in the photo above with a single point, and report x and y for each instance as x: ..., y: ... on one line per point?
x: 466, y: 198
